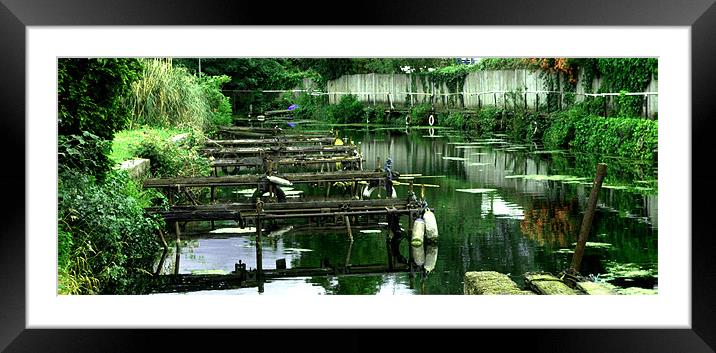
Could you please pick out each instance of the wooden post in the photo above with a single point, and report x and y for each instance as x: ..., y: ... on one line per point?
x: 259, y: 250
x: 348, y: 226
x: 178, y: 252
x: 164, y: 253
x: 588, y: 216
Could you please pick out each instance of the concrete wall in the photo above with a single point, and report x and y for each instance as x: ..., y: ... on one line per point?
x: 480, y: 89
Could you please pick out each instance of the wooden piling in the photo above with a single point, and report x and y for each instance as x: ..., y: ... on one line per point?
x: 259, y: 250
x: 178, y: 250
x: 588, y: 217
x: 348, y: 226
x: 164, y: 253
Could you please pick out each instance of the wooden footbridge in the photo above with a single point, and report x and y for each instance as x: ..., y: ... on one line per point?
x: 346, y: 212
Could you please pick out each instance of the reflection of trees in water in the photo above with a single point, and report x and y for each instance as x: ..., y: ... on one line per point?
x: 349, y: 285
x: 550, y: 223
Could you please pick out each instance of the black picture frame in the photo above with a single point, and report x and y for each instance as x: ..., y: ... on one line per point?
x: 16, y: 15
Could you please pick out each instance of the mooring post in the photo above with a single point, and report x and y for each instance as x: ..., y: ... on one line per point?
x: 588, y: 216
x: 348, y: 226
x: 164, y: 253
x: 410, y: 234
x: 178, y: 252
x: 259, y: 251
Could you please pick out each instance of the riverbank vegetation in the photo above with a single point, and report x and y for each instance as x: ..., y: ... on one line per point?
x: 111, y: 110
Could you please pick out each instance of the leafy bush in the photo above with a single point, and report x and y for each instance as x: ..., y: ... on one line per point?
x: 348, y: 110
x: 169, y: 159
x: 91, y: 97
x: 632, y: 138
x: 219, y: 104
x: 455, y: 120
x: 486, y: 119
x: 419, y: 113
x: 86, y: 153
x: 376, y: 114
x: 104, y: 236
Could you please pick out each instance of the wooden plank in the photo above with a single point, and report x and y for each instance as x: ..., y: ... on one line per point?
x: 547, y: 284
x: 277, y: 150
x: 253, y: 179
x: 285, y: 140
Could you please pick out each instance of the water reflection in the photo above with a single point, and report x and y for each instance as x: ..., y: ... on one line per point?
x: 524, y: 225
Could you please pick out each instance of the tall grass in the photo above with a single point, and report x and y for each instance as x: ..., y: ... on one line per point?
x: 168, y: 96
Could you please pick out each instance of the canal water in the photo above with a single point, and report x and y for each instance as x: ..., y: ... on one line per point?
x: 500, y: 206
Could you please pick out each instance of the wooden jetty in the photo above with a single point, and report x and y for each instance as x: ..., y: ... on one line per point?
x: 263, y: 132
x: 303, y: 161
x: 273, y: 141
x: 279, y: 150
x: 253, y: 179
x: 243, y: 278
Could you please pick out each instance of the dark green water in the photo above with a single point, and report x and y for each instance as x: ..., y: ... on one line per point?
x: 525, y: 225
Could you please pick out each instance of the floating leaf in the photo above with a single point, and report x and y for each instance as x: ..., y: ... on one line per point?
x: 455, y: 158
x: 476, y: 191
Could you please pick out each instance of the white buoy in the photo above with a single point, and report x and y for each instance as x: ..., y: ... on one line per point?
x: 431, y: 226
x: 431, y: 120
x: 418, y: 253
x: 279, y: 181
x: 368, y: 191
x: 431, y: 257
x: 418, y: 232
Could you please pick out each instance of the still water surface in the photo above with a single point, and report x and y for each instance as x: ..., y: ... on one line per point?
x: 526, y: 224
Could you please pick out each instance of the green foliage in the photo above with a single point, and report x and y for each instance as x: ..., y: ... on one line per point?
x: 455, y: 120
x: 169, y: 159
x: 487, y: 118
x: 502, y: 64
x: 91, y: 97
x: 104, y: 236
x: 125, y: 141
x: 631, y: 138
x: 169, y: 96
x: 348, y: 110
x: 311, y: 107
x: 420, y: 113
x: 86, y: 153
x: 376, y: 114
x: 219, y: 104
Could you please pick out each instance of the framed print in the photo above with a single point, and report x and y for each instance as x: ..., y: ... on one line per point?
x: 36, y: 37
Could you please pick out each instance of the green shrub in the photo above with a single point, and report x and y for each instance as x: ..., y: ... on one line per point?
x: 86, y: 153
x: 486, y: 119
x: 455, y: 120
x: 377, y: 114
x: 170, y: 159
x: 632, y: 138
x: 348, y: 110
x: 420, y: 113
x: 219, y: 104
x: 91, y: 106
x: 105, y: 238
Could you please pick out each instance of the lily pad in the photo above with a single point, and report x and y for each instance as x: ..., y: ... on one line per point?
x: 370, y: 231
x: 476, y: 191
x: 540, y: 177
x: 296, y: 250
x: 477, y: 164
x: 455, y: 158
x: 596, y: 245
x: 637, y: 291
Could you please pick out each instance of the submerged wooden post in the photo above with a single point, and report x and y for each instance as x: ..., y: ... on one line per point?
x: 178, y: 252
x: 164, y: 253
x: 348, y: 226
x: 588, y: 216
x: 259, y: 250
